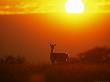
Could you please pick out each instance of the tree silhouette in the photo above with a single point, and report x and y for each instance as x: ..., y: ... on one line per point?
x: 20, y: 60
x: 12, y: 60
x: 96, y: 55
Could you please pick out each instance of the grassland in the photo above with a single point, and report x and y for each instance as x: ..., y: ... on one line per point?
x: 55, y: 73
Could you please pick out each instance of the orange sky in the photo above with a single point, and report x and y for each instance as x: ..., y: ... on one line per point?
x: 30, y: 34
x: 45, y: 6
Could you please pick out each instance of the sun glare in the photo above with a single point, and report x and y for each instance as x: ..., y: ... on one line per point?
x: 74, y: 6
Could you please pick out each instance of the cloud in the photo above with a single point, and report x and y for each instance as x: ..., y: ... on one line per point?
x: 27, y: 6
x: 41, y: 6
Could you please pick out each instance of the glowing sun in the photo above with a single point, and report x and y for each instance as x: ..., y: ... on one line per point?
x: 74, y: 6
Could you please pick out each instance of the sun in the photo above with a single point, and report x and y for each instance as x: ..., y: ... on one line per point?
x: 74, y: 6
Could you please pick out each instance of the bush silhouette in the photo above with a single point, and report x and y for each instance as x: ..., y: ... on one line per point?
x: 12, y: 60
x: 96, y: 55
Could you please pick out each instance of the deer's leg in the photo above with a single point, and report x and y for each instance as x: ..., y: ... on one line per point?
x: 52, y: 61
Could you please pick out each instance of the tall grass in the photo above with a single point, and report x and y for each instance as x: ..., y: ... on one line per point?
x: 55, y: 73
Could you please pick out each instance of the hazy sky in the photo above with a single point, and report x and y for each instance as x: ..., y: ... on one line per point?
x: 30, y: 34
x: 45, y: 6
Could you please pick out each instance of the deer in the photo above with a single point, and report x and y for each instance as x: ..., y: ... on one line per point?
x: 57, y: 57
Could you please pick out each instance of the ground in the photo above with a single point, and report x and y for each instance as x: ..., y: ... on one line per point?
x: 55, y: 73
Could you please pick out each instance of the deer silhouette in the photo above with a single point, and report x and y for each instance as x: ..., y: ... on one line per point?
x: 57, y: 57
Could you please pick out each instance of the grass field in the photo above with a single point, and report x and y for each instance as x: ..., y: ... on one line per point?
x: 55, y: 73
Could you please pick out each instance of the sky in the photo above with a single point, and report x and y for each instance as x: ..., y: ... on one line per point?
x: 48, y: 6
x: 29, y: 34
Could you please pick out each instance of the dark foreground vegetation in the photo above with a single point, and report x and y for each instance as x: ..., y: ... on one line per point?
x: 55, y: 73
x: 90, y: 66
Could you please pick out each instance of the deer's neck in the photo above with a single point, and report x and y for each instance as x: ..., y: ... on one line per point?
x: 51, y: 51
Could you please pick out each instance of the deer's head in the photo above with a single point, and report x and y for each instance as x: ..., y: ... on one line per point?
x: 52, y: 46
